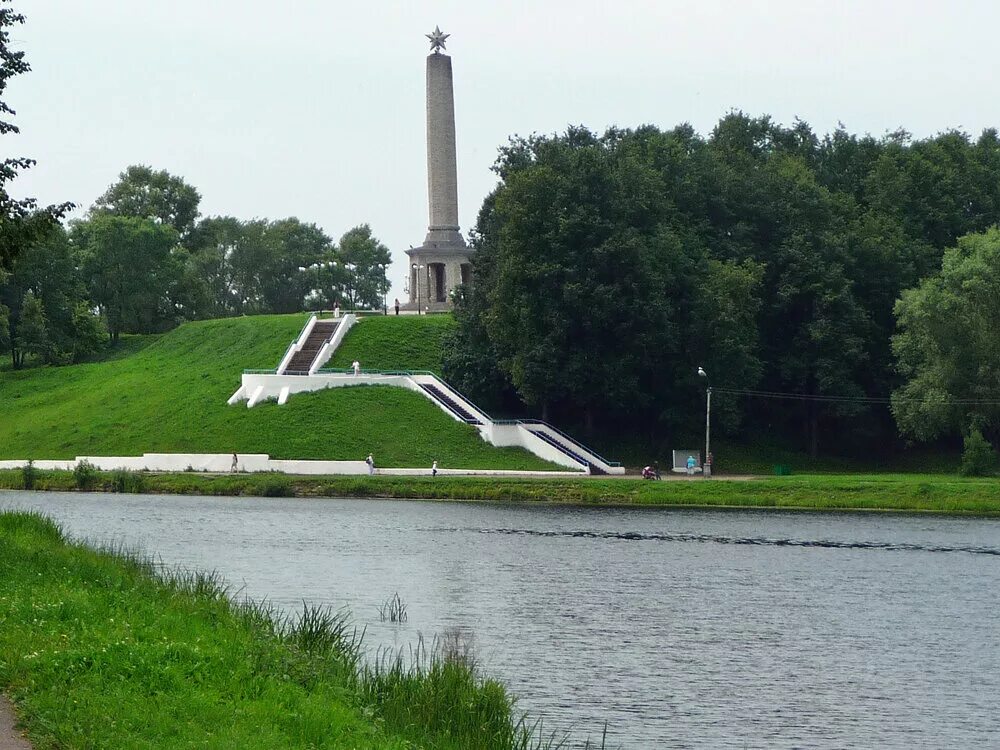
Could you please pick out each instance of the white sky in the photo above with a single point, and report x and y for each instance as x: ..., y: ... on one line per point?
x: 315, y: 108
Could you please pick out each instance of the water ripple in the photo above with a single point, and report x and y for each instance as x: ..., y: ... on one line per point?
x: 718, y: 539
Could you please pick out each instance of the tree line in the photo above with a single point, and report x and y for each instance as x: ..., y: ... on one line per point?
x: 610, y: 266
x: 141, y: 261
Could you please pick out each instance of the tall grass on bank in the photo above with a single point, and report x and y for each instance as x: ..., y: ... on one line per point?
x: 102, y: 649
x: 901, y: 492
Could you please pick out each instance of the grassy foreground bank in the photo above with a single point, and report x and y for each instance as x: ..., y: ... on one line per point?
x: 99, y: 651
x: 900, y: 492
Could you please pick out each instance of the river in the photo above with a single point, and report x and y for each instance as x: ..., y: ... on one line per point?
x: 678, y: 628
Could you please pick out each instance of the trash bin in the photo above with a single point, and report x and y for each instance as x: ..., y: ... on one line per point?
x: 782, y: 470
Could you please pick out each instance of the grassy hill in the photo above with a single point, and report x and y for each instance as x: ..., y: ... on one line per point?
x: 395, y: 343
x: 170, y: 396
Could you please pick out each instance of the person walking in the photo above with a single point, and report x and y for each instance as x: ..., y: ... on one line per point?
x: 397, y: 305
x: 371, y: 464
x: 336, y: 310
x: 434, y: 468
x: 356, y: 366
x: 236, y: 464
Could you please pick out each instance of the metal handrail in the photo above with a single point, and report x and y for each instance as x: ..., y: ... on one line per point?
x: 556, y: 430
x: 287, y: 350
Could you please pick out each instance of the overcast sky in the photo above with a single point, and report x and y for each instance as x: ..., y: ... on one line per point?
x: 315, y: 108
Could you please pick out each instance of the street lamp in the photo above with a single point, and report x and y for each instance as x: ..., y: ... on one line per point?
x: 385, y: 291
x: 416, y: 280
x: 706, y: 465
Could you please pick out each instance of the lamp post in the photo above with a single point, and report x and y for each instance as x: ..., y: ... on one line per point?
x: 706, y: 465
x: 385, y: 292
x: 416, y: 280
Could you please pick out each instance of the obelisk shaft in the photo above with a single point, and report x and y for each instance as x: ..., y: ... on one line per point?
x: 442, y: 173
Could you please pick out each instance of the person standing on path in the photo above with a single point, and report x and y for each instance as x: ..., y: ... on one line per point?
x: 397, y: 305
x: 690, y: 465
x: 356, y: 366
x: 236, y: 464
x: 434, y: 468
x: 371, y: 464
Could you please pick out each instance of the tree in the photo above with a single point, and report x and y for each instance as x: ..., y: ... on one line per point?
x: 587, y: 283
x: 947, y: 346
x: 291, y: 244
x: 13, y: 231
x: 46, y: 268
x: 130, y: 271
x: 158, y: 196
x: 368, y: 259
x: 4, y: 326
x: 32, y: 335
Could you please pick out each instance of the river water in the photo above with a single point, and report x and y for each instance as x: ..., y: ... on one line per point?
x: 678, y: 628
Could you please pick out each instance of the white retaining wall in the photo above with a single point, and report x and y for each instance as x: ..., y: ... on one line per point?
x: 298, y: 344
x: 327, y: 350
x: 221, y: 463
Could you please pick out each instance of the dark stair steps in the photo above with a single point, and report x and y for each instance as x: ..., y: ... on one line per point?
x: 557, y: 443
x: 303, y: 359
x: 448, y: 401
x: 565, y: 449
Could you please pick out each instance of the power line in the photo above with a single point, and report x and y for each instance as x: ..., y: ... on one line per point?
x: 883, y: 400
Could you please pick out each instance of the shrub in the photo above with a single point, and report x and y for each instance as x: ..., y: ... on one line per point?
x: 29, y: 475
x: 978, y: 458
x: 124, y: 480
x: 85, y: 475
x: 277, y: 486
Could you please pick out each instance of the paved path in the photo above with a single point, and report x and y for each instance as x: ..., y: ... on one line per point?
x: 10, y: 738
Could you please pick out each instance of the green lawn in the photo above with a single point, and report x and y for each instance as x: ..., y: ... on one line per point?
x: 170, y: 396
x: 98, y: 651
x: 896, y: 492
x: 395, y: 343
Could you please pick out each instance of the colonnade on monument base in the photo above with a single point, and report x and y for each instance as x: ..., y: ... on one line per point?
x: 433, y: 280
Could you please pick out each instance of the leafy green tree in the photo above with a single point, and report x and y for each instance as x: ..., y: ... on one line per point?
x: 290, y: 244
x: 947, y: 346
x: 367, y: 259
x: 264, y: 263
x: 32, y: 335
x: 47, y: 268
x: 14, y: 231
x: 587, y: 282
x: 89, y: 332
x: 130, y: 271
x: 4, y: 327
x: 209, y: 266
x: 978, y: 458
x: 143, y: 193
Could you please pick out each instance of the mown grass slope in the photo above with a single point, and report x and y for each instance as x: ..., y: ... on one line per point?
x: 171, y: 397
x: 406, y: 342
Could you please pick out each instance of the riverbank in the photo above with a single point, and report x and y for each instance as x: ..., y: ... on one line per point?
x: 889, y: 492
x: 99, y: 649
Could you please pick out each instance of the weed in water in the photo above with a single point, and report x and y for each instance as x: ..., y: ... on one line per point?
x: 29, y: 475
x: 392, y: 610
x: 85, y: 475
x: 125, y: 480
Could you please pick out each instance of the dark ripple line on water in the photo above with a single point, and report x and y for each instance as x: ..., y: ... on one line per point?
x: 716, y: 539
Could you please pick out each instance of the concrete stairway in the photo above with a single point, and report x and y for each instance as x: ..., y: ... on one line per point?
x: 303, y: 359
x: 452, y: 405
x: 563, y: 448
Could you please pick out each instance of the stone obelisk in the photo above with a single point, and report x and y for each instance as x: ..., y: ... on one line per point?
x: 442, y: 262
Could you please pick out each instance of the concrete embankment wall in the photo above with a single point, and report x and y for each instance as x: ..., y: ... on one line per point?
x: 255, y: 462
